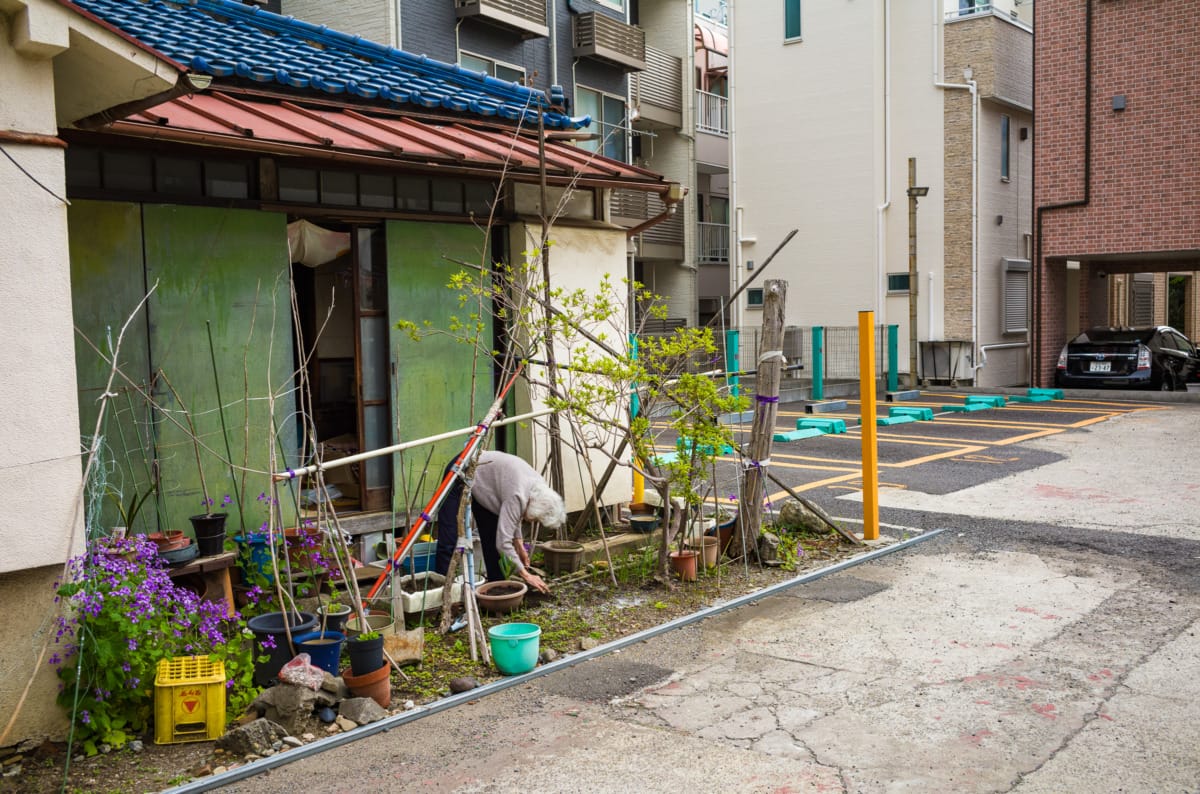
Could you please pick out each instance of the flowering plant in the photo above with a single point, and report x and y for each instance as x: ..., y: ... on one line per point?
x: 123, y: 614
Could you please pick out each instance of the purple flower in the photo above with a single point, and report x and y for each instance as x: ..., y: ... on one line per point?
x: 85, y: 717
x: 268, y: 642
x: 226, y: 501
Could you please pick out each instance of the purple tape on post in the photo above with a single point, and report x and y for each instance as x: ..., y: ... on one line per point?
x: 291, y: 474
x: 763, y: 399
x: 426, y: 517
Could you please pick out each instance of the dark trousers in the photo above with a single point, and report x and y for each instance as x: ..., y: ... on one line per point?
x: 447, y: 538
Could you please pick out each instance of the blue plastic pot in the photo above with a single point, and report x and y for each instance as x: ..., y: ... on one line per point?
x: 260, y: 557
x: 423, y: 557
x: 269, y: 630
x: 325, y: 648
x: 515, y: 647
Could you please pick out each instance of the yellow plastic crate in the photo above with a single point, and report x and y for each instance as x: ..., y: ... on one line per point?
x: 189, y: 700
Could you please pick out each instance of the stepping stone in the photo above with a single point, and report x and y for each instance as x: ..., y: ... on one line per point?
x: 966, y: 407
x: 829, y: 425
x: 895, y: 396
x: 825, y: 407
x: 1053, y: 394
x: 798, y: 435
x: 992, y: 400
x: 920, y: 414
x: 1032, y: 398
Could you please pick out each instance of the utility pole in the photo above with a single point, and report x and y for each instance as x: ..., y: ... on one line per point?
x: 913, y: 193
x: 766, y: 407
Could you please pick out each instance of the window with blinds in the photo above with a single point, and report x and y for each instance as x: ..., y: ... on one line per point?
x: 1014, y: 313
x: 1142, y: 299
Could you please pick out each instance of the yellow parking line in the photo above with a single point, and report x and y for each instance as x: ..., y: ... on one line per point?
x: 1036, y: 434
x: 950, y: 453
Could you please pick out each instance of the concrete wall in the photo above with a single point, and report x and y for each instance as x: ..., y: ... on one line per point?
x: 39, y: 429
x: 371, y: 19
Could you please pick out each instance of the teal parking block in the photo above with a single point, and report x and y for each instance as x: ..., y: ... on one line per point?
x: 920, y: 414
x: 888, y: 421
x: 966, y: 407
x: 824, y: 425
x: 994, y: 400
x: 685, y: 444
x: 665, y: 458
x: 1053, y: 394
x: 1032, y: 398
x: 798, y: 435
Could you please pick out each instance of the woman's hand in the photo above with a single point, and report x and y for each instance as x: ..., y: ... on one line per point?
x: 534, y: 581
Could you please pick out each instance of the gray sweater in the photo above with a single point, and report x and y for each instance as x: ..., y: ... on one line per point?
x: 502, y: 484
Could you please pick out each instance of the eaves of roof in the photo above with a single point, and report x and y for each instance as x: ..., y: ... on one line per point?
x: 232, y: 41
x: 390, y: 140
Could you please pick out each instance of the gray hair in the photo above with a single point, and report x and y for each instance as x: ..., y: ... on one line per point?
x: 546, y: 507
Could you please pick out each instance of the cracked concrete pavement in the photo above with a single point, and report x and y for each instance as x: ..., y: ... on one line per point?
x: 1044, y: 656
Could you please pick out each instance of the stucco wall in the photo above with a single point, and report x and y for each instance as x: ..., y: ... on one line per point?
x: 579, y: 258
x: 28, y: 599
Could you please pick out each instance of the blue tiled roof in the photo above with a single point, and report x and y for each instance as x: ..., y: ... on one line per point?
x: 225, y: 38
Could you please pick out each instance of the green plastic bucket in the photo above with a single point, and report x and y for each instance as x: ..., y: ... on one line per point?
x: 515, y: 647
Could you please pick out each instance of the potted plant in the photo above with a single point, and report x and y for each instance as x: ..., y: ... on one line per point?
x: 334, y: 613
x: 209, y: 526
x: 366, y: 652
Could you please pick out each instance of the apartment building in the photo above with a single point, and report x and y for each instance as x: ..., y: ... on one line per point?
x: 1116, y: 182
x: 832, y: 102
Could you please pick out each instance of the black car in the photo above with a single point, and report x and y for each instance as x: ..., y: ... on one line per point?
x: 1133, y: 358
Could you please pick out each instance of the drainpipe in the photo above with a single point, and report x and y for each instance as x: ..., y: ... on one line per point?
x: 880, y: 234
x: 735, y: 270
x: 972, y: 86
x: 553, y: 12
x: 1035, y: 355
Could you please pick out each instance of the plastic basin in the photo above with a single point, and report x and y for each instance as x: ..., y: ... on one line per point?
x: 324, y: 647
x: 515, y: 647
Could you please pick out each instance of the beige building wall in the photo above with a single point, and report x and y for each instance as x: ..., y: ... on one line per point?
x: 44, y: 50
x: 581, y: 257
x: 811, y: 152
x: 372, y: 19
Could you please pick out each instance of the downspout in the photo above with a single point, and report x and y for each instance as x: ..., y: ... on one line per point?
x: 972, y: 86
x: 735, y: 270
x: 1036, y: 353
x: 399, y: 41
x: 553, y: 13
x: 880, y: 236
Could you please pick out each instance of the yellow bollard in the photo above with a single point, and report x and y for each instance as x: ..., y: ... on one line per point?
x: 639, y: 487
x: 870, y: 450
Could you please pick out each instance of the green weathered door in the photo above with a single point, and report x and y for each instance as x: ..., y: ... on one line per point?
x: 228, y: 270
x: 107, y: 282
x: 435, y: 377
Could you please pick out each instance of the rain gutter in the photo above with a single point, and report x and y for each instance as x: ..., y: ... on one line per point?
x: 397, y: 720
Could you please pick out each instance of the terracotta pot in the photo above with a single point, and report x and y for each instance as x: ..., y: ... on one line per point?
x: 562, y: 556
x: 500, y: 598
x: 376, y: 685
x: 708, y: 548
x: 301, y: 542
x: 685, y: 563
x: 168, y: 541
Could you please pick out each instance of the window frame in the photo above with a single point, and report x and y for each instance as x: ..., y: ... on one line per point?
x: 1024, y: 269
x: 793, y: 17
x: 601, y: 126
x: 492, y: 63
x: 1005, y: 147
x: 907, y: 283
x: 755, y: 298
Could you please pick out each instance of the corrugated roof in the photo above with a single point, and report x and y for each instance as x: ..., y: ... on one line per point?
x: 227, y: 39
x: 217, y: 118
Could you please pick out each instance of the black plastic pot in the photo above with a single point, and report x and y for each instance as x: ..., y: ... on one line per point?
x: 366, y: 656
x: 210, y: 533
x: 269, y: 630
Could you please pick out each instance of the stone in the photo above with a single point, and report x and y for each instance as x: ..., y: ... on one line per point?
x: 106, y: 749
x: 547, y: 656
x: 334, y: 685
x: 332, y: 728
x: 292, y: 741
x: 253, y: 738
x: 795, y: 515
x: 587, y: 643
x: 218, y: 770
x: 308, y: 737
x: 204, y: 770
x: 288, y: 705
x: 463, y: 684
x: 326, y: 714
x: 269, y: 753
x: 137, y: 746
x: 362, y: 710
x: 409, y: 705
x: 345, y: 724
x: 768, y: 548
x: 277, y: 745
x: 13, y: 770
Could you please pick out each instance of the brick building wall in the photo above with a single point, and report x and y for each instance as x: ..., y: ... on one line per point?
x: 1145, y: 186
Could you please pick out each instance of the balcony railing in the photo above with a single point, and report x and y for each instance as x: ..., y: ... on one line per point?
x: 527, y: 17
x: 658, y: 91
x: 712, y: 242
x: 638, y: 205
x: 599, y: 36
x: 712, y: 113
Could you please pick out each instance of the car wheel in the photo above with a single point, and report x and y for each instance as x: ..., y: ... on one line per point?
x: 1168, y: 382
